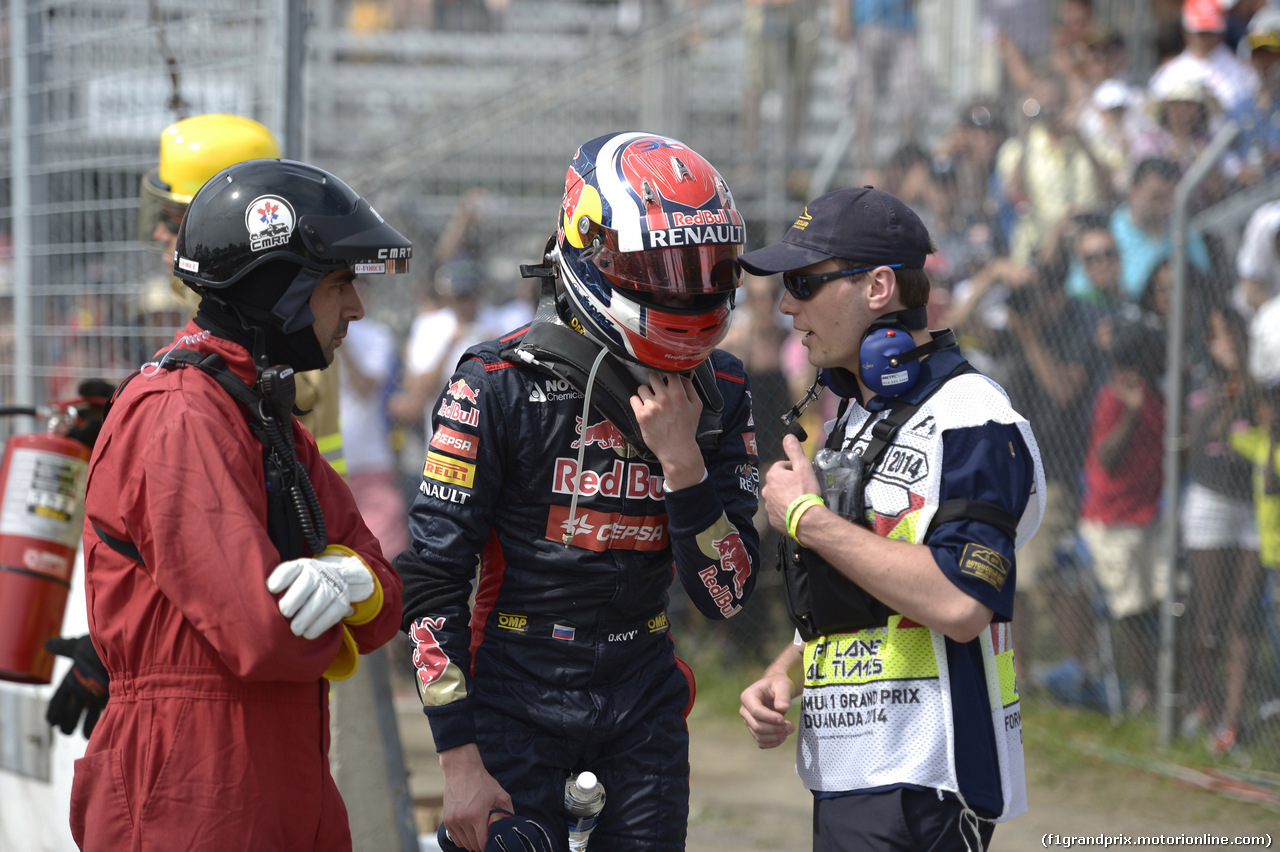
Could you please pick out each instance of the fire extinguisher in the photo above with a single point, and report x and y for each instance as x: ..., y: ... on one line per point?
x: 42, y: 484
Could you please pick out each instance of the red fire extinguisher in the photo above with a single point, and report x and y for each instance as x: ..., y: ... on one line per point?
x: 42, y: 482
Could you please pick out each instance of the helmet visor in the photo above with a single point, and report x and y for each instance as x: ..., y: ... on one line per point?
x: 360, y: 239
x: 679, y: 270
x: 157, y: 208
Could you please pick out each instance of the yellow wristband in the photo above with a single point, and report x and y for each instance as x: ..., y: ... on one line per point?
x: 798, y: 507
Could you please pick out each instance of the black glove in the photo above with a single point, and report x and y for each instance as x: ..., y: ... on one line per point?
x: 507, y: 833
x: 83, y: 690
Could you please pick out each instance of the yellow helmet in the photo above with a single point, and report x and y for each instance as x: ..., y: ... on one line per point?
x: 192, y: 151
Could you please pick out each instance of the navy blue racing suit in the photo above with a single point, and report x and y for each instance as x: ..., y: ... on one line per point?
x: 566, y: 661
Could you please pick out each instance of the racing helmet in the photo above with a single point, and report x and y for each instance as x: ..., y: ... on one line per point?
x: 192, y: 151
x: 645, y: 249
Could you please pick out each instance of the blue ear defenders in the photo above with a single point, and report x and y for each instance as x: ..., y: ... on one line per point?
x: 889, y: 360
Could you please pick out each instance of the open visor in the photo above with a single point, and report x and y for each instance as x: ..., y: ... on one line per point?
x: 680, y: 270
x: 359, y: 239
x: 157, y: 206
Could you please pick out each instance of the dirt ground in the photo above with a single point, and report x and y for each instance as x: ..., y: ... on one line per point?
x: 745, y: 798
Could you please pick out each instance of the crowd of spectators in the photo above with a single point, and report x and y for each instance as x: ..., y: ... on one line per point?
x: 1052, y: 209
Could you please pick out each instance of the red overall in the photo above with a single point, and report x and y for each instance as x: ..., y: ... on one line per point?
x: 216, y: 735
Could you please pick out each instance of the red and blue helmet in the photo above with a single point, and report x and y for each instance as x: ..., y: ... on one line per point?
x: 646, y: 245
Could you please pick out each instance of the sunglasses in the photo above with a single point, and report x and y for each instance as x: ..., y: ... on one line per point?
x: 803, y: 286
x: 1105, y: 254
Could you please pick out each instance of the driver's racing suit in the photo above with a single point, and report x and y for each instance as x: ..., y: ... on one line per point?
x: 567, y: 661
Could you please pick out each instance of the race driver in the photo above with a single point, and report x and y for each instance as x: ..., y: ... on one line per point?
x: 574, y: 463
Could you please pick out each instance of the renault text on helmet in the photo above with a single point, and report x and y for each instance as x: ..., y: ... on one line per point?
x: 645, y: 248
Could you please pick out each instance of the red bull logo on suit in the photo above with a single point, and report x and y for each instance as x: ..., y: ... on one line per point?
x: 604, y: 434
x: 629, y: 480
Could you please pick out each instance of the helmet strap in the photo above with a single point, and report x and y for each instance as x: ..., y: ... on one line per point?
x: 224, y: 318
x: 260, y: 333
x: 552, y: 347
x: 293, y: 309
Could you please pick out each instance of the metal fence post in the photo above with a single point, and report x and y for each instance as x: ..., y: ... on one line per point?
x: 294, y: 84
x: 19, y: 130
x: 1173, y: 438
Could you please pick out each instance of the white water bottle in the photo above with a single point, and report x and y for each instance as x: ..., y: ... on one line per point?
x: 583, y: 801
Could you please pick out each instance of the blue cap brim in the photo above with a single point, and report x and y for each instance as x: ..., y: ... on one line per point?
x: 782, y: 257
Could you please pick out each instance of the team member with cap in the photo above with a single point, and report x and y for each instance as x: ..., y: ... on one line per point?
x: 910, y: 731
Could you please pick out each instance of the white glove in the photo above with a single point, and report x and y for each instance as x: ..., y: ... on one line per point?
x: 321, y: 591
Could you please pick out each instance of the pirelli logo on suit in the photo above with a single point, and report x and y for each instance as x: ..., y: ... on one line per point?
x: 451, y: 471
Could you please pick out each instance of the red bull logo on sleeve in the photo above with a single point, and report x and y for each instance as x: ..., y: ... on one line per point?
x: 733, y: 557
x: 458, y: 413
x: 428, y: 657
x: 439, y: 680
x: 460, y: 390
x: 720, y: 594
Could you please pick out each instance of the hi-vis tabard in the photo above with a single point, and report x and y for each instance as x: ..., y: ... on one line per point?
x: 876, y: 709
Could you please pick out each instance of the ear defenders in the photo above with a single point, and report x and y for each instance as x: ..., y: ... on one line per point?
x: 889, y: 360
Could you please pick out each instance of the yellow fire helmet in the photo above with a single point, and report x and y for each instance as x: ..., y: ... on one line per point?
x: 192, y: 151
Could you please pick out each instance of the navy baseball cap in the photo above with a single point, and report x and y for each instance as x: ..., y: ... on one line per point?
x: 862, y: 224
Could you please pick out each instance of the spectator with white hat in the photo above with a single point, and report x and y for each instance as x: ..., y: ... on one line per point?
x: 1185, y: 116
x: 1108, y: 123
x: 1206, y: 58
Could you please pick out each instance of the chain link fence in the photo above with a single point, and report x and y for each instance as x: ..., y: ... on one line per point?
x: 423, y: 105
x: 89, y: 87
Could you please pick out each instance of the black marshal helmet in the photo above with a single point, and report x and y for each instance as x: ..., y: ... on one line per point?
x: 259, y: 237
x: 260, y: 211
